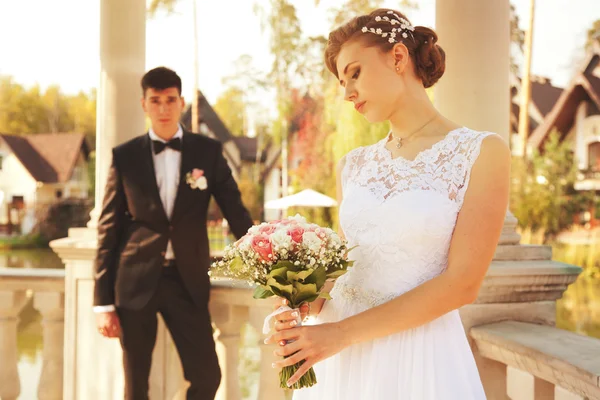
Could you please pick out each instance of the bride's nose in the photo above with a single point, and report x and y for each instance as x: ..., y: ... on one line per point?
x: 350, y: 93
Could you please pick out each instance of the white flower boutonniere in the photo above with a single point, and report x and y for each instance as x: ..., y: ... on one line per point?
x: 196, y: 179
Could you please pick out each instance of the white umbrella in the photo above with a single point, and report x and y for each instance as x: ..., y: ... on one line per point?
x: 305, y: 198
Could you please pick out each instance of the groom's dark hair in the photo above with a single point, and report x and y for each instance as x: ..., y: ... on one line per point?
x: 160, y: 78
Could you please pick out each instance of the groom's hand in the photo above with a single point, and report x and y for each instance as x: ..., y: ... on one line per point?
x: 108, y: 324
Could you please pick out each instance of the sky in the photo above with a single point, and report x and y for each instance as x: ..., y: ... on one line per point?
x: 56, y: 42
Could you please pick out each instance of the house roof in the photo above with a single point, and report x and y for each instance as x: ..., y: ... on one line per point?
x: 248, y: 147
x: 585, y: 86
x: 543, y: 97
x: 49, y: 157
x: 207, y: 115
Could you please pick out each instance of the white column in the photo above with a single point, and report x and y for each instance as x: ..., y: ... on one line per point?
x: 581, y: 142
x: 268, y: 387
x: 11, y: 304
x: 228, y: 319
x: 52, y: 307
x: 474, y: 90
x: 122, y: 64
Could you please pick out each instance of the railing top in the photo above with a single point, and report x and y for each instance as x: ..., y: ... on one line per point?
x: 558, y: 356
x: 36, y: 279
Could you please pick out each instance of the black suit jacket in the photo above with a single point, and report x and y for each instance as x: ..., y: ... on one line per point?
x: 133, y: 229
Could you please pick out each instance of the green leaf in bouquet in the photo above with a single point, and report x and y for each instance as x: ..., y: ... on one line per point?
x: 287, y: 264
x: 305, y: 292
x: 261, y: 292
x: 318, y: 277
x: 236, y: 265
x: 299, y: 276
x: 279, y: 287
x: 279, y: 271
x: 325, y: 295
x: 336, y: 274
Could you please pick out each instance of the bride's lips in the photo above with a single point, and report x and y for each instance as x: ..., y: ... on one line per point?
x: 359, y: 106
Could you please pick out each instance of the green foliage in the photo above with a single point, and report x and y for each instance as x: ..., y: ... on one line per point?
x: 543, y: 197
x: 24, y: 111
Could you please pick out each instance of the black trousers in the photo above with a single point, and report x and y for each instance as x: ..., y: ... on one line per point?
x: 190, y: 327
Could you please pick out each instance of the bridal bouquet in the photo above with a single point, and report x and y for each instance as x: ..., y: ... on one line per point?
x: 289, y: 258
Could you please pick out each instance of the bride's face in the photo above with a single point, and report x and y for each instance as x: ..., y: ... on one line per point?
x: 370, y: 80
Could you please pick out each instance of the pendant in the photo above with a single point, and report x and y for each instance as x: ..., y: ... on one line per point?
x: 399, y: 144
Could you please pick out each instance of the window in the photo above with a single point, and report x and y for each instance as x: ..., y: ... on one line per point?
x: 594, y: 156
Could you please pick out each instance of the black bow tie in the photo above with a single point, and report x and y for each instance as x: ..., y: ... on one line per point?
x: 159, y: 146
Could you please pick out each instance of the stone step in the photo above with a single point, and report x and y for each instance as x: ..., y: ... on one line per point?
x: 522, y: 252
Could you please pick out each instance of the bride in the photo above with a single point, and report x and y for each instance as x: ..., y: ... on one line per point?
x: 425, y: 207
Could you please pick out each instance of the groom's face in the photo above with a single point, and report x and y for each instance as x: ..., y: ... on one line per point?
x: 164, y: 108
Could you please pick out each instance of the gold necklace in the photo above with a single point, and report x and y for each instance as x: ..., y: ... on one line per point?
x: 400, y: 140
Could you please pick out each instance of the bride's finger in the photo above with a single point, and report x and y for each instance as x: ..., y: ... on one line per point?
x: 296, y: 358
x: 281, y: 325
x: 285, y: 334
x: 287, y: 350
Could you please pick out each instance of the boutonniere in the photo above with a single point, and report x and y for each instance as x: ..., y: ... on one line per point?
x: 196, y: 179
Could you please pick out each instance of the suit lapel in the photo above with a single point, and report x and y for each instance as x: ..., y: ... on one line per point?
x: 184, y: 193
x: 149, y: 177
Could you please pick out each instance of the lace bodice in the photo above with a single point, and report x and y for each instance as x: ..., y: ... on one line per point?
x: 401, y: 214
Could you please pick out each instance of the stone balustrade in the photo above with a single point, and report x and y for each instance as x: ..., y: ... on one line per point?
x: 541, y: 362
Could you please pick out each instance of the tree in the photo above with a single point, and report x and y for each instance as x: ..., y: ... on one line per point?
x: 232, y: 109
x: 593, y: 35
x: 543, y: 197
x: 26, y: 111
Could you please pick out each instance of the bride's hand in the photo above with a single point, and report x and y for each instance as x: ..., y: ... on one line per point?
x: 289, y: 319
x: 310, y: 343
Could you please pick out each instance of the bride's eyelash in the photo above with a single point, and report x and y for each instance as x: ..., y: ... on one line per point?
x: 356, y: 74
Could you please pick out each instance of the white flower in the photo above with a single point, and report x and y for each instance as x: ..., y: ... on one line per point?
x: 281, y: 240
x: 298, y: 218
x: 404, y: 35
x: 364, y: 29
x: 201, y: 183
x: 378, y: 31
x: 390, y: 12
x: 378, y: 19
x: 391, y: 40
x: 384, y: 34
x: 311, y: 241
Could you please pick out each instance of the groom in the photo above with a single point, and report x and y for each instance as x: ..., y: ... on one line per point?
x: 153, y: 254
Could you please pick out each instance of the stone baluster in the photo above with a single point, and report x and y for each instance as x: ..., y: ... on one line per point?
x: 522, y: 385
x: 228, y: 320
x: 11, y: 303
x: 52, y: 307
x: 269, y: 377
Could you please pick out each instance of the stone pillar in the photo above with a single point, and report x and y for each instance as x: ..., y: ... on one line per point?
x: 474, y: 90
x: 52, y: 308
x: 229, y: 320
x: 122, y: 65
x: 269, y: 377
x: 11, y: 303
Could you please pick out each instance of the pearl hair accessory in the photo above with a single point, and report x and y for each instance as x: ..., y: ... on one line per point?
x: 404, y: 29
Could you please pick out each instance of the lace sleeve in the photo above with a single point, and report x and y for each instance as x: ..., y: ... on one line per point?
x: 468, y: 153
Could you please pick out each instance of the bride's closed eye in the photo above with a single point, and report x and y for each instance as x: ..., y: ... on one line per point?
x: 356, y: 74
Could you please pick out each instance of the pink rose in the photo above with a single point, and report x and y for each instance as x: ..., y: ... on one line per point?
x: 262, y: 245
x: 197, y: 173
x: 296, y: 233
x: 267, y: 229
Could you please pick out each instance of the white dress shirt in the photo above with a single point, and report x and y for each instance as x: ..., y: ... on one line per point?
x: 167, y: 166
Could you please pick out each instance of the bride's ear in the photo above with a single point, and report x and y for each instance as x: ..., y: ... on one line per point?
x: 400, y: 57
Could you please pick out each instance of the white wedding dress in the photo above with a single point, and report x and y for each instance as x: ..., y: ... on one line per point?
x: 401, y: 214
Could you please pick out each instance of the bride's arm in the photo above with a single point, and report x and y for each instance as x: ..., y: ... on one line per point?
x: 474, y: 241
